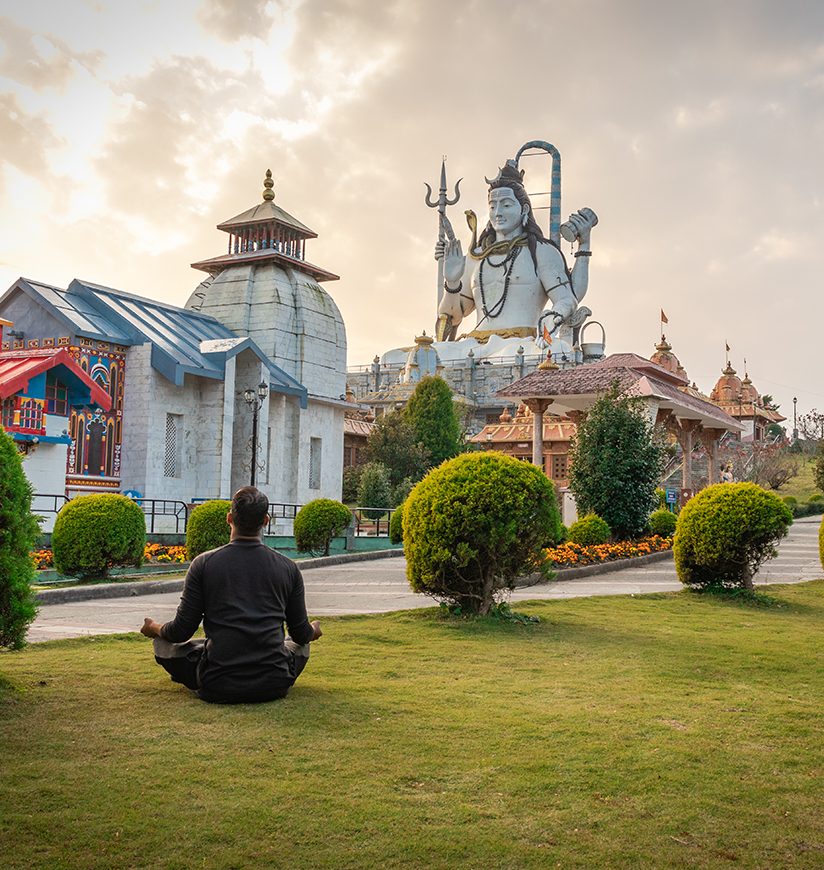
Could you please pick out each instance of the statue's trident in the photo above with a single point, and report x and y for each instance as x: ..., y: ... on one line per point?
x: 441, y: 203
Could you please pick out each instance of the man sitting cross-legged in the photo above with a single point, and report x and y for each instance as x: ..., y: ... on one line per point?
x: 243, y: 592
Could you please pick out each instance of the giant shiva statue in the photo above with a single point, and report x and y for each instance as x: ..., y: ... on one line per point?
x: 514, y: 278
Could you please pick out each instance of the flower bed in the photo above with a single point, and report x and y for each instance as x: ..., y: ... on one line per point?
x: 569, y: 555
x: 152, y: 554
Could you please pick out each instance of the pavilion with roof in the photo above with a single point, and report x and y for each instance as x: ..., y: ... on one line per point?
x: 665, y: 391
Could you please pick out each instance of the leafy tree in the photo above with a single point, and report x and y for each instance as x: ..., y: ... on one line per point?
x: 476, y: 523
x: 351, y: 481
x: 616, y: 462
x: 374, y: 490
x: 394, y: 443
x: 18, y: 531
x: 431, y: 412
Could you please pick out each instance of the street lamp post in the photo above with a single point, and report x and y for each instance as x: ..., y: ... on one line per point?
x: 795, y: 419
x: 255, y: 399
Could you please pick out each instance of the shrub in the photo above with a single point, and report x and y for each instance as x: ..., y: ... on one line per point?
x: 317, y: 522
x: 93, y: 533
x: 589, y: 530
x: 396, y: 525
x: 474, y: 524
x: 726, y: 532
x: 207, y: 528
x: 394, y: 443
x: 790, y: 500
x: 821, y: 543
x: 374, y: 490
x: 18, y: 532
x: 616, y: 460
x: 351, y: 482
x: 661, y: 497
x: 563, y: 537
x: 815, y: 498
x: 662, y: 522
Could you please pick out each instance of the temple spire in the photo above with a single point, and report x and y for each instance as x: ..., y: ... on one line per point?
x: 268, y: 184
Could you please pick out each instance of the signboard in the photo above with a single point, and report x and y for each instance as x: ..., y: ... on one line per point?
x: 672, y: 496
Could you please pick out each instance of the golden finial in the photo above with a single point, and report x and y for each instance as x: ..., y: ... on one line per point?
x: 547, y: 365
x: 268, y: 184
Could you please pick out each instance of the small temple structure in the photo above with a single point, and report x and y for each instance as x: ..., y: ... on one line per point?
x: 740, y: 399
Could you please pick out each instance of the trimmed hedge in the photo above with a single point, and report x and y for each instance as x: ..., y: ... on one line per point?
x: 726, y: 532
x: 474, y: 524
x: 207, y: 528
x: 662, y: 522
x: 317, y: 522
x: 589, y: 531
x: 93, y: 533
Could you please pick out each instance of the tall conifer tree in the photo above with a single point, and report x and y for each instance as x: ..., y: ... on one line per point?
x: 18, y: 532
x: 432, y: 414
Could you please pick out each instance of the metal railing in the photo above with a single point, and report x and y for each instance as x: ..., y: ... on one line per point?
x: 368, y: 521
x: 372, y: 522
x: 161, y: 507
x: 58, y: 501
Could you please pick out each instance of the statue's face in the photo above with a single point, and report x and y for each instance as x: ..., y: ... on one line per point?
x: 505, y: 212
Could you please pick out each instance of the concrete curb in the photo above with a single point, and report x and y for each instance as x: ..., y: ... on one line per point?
x: 152, y: 587
x: 591, y: 570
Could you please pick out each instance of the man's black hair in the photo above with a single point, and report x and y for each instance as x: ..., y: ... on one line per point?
x: 249, y: 509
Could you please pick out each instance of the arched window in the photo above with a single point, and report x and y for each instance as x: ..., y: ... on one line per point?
x: 80, y: 449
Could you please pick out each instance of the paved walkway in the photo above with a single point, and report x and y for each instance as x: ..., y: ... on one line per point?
x: 380, y: 586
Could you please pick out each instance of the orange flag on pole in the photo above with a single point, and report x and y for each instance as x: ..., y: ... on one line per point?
x: 664, y: 317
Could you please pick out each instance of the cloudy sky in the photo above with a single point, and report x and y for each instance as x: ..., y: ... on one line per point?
x: 696, y: 131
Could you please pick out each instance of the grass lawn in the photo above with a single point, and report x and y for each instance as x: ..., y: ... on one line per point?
x: 802, y: 486
x: 666, y: 730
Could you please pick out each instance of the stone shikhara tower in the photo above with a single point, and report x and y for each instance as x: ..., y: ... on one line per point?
x: 264, y: 288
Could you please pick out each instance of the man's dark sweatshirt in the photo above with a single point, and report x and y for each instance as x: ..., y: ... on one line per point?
x: 243, y: 592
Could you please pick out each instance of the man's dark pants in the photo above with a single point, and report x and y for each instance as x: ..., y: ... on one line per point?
x: 181, y: 661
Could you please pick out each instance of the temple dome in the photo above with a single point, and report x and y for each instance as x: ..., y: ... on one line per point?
x: 748, y: 390
x: 422, y: 360
x: 665, y: 358
x: 728, y: 387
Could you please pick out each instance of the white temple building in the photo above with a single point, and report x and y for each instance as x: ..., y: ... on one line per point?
x: 176, y: 425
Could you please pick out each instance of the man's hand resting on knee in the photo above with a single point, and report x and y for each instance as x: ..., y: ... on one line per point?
x: 316, y: 628
x: 152, y: 629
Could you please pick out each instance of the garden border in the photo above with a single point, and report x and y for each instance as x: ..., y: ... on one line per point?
x: 68, y: 594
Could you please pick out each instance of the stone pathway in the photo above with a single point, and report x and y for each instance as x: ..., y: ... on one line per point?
x: 380, y: 586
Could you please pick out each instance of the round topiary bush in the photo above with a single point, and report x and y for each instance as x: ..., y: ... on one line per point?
x: 474, y: 524
x: 726, y: 532
x: 589, y: 530
x: 93, y: 533
x: 662, y: 522
x: 815, y: 498
x: 396, y: 525
x: 207, y: 528
x: 790, y: 500
x: 317, y: 522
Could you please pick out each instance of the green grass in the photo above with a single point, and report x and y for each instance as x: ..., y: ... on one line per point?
x: 802, y: 486
x: 670, y: 730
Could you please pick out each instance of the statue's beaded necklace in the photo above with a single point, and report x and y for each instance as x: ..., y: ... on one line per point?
x: 508, y: 263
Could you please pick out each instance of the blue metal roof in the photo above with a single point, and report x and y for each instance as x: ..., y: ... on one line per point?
x: 183, y: 341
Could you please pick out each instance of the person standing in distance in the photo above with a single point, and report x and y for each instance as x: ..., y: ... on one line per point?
x: 243, y: 593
